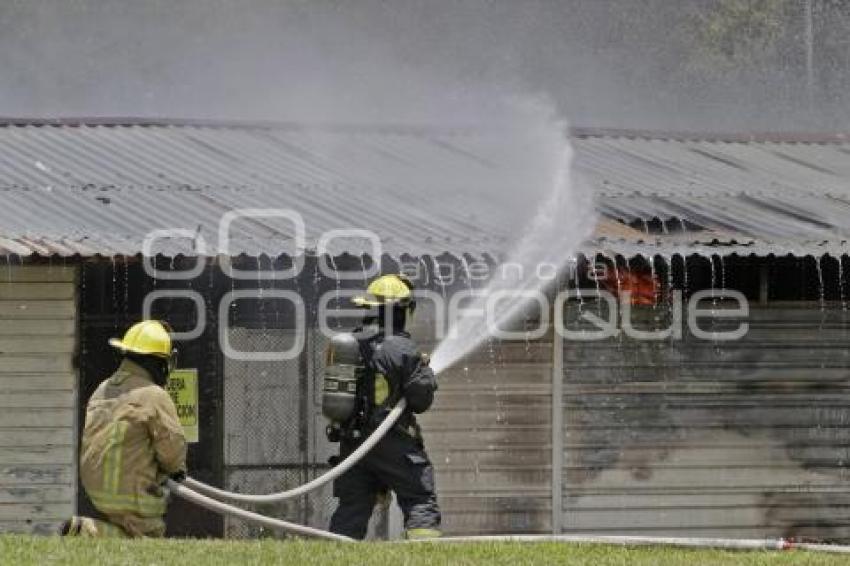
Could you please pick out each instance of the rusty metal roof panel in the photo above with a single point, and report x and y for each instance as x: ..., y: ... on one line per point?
x: 762, y: 195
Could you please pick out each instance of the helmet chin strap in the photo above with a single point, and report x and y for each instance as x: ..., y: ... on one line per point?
x: 172, y: 361
x: 158, y: 368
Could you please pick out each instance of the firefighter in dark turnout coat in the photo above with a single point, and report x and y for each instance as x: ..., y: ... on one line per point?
x: 390, y: 367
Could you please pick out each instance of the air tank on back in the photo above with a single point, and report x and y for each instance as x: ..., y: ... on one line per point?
x: 344, y: 366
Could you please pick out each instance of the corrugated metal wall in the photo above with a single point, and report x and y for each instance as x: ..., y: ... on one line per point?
x: 749, y: 438
x: 489, y: 436
x: 38, y: 388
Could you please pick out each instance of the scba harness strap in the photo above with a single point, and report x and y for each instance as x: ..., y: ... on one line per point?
x: 356, y: 427
x: 369, y: 402
x: 350, y: 389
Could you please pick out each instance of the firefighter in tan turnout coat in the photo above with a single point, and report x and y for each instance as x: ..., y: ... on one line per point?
x: 132, y: 441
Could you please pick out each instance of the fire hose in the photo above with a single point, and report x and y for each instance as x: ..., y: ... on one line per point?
x: 183, y: 490
x: 202, y: 494
x: 686, y: 542
x: 328, y: 476
x: 269, y: 522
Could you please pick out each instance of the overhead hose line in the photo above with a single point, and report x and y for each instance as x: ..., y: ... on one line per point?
x: 328, y: 476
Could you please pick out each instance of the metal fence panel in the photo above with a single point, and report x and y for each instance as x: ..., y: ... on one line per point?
x: 489, y: 436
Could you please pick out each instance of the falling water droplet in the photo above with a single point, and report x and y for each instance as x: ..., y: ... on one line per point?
x: 114, y: 292
x: 669, y: 261
x: 579, y: 297
x: 364, y: 271
x: 426, y: 279
x: 210, y: 271
x: 438, y: 276
x: 261, y: 301
x: 714, y: 305
x: 275, y: 304
x: 821, y: 290
x: 654, y: 279
x: 126, y: 285
x: 713, y: 281
x: 596, y: 272
x: 616, y: 268
x: 619, y: 294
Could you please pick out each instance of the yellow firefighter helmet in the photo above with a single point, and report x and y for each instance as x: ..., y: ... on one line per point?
x: 387, y: 290
x: 148, y: 338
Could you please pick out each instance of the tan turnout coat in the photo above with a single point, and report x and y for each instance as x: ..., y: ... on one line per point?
x: 131, y: 442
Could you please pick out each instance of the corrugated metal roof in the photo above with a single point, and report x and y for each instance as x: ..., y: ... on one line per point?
x: 87, y: 188
x: 100, y: 189
x: 761, y: 195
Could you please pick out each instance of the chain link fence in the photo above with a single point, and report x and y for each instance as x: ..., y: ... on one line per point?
x: 274, y: 430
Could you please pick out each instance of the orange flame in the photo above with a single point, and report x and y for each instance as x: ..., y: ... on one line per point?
x: 642, y: 285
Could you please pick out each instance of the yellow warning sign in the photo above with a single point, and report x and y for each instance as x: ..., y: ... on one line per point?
x: 183, y: 387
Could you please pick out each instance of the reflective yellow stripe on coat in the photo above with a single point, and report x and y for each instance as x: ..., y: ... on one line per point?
x: 109, y: 499
x: 112, y: 460
x: 142, y: 505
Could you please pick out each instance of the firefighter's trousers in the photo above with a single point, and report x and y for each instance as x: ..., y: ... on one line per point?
x: 398, y: 463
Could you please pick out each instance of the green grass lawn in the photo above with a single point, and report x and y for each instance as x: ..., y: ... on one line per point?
x: 54, y: 550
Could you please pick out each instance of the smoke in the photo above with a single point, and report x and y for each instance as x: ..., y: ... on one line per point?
x: 610, y: 63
